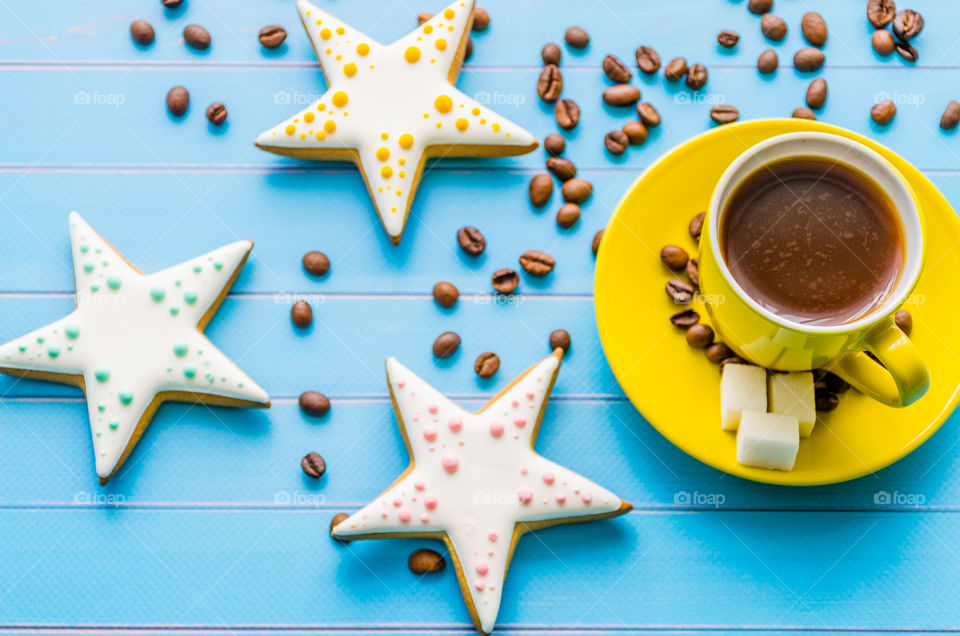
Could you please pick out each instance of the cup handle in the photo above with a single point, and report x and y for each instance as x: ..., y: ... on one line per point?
x: 901, y: 379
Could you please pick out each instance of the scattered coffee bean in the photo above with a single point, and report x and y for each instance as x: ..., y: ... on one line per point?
x: 446, y: 294
x: 768, y: 61
x: 951, y: 116
x: 808, y: 59
x: 835, y: 383
x: 338, y: 518
x: 142, y: 32
x: 541, y: 189
x: 576, y: 37
x: 423, y: 18
x: 773, y: 27
x: 817, y: 93
x: 904, y: 320
x: 314, y: 403
x: 696, y: 226
x: 759, y: 6
x: 685, y: 319
x: 697, y: 77
x: 804, y: 113
x: 728, y: 39
x: 537, y: 263
x: 567, y: 114
x: 576, y: 190
x: 616, y: 142
x: 196, y: 37
x: 272, y: 36
x: 505, y: 280
x: 680, y: 291
x: 675, y: 69
x: 699, y: 336
x: 316, y: 263
x: 446, y: 344
x: 883, y: 42
x: 906, y: 50
x: 880, y: 13
x: 724, y: 114
x: 178, y: 100
x: 550, y: 83
x: 648, y: 114
x: 423, y: 561
x: 471, y: 240
x: 907, y: 25
x: 554, y: 144
x: 301, y: 313
x: 216, y: 113
x: 883, y: 112
x: 313, y: 465
x: 561, y: 168
x: 486, y: 364
x: 674, y: 257
x: 731, y: 360
x: 693, y: 271
x: 560, y: 338
x: 171, y: 4
x: 648, y: 60
x: 616, y: 69
x: 636, y: 132
x: 814, y: 28
x: 825, y: 400
x: 568, y: 215
x: 595, y: 244
x: 481, y: 19
x: 718, y: 352
x: 550, y: 54
x: 621, y: 95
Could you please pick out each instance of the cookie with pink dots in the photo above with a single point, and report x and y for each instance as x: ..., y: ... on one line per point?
x: 475, y: 481
x: 389, y: 108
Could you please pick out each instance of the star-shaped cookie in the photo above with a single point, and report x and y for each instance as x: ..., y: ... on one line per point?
x: 475, y: 481
x: 389, y: 108
x: 134, y: 341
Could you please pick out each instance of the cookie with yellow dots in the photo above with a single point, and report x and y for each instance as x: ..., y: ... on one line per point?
x: 390, y: 108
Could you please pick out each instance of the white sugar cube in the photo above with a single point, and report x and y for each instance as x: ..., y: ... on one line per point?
x: 742, y: 387
x: 792, y: 394
x: 768, y: 440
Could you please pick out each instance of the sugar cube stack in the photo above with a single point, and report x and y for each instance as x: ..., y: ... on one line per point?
x: 793, y: 394
x: 742, y: 387
x: 768, y: 440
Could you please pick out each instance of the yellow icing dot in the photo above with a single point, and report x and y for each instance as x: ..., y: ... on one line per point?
x: 462, y: 124
x: 406, y: 141
x: 340, y: 31
x: 475, y: 111
x: 401, y: 161
x: 329, y: 51
x: 401, y: 174
x: 340, y: 99
x: 393, y: 209
x: 384, y: 136
x: 441, y: 44
x: 439, y: 125
x: 308, y: 117
x: 428, y: 29
x: 321, y: 107
x: 363, y: 48
x: 325, y: 34
x: 443, y: 104
x: 338, y: 58
x: 386, y: 172
x: 321, y: 135
x: 426, y: 115
x: 448, y: 14
x: 399, y: 192
x: 330, y: 126
x: 303, y: 135
x: 483, y: 121
x: 296, y: 120
x: 450, y: 28
x: 350, y: 69
x: 496, y: 127
x: 412, y: 54
x: 319, y: 22
x: 291, y: 129
x: 383, y: 153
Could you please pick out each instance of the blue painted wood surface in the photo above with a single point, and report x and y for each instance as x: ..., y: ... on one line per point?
x: 211, y: 527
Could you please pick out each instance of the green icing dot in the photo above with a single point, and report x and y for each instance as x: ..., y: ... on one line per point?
x: 88, y: 266
x: 113, y: 282
x: 197, y: 269
x: 114, y: 424
x: 22, y: 348
x: 125, y: 395
x: 180, y: 349
x: 94, y: 287
x: 72, y: 331
x: 218, y: 266
x: 101, y: 407
x: 190, y: 371
x: 177, y: 283
x: 174, y: 310
x: 157, y: 293
x: 39, y: 339
x: 209, y: 377
x: 190, y: 296
x: 53, y: 351
x: 102, y: 374
x: 84, y: 249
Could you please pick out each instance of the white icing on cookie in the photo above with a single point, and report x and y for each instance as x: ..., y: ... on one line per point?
x: 389, y: 106
x: 475, y: 476
x: 133, y: 336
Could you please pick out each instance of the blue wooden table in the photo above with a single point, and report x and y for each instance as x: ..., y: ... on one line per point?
x: 212, y: 527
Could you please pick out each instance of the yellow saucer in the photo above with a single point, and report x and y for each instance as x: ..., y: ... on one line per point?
x: 678, y: 390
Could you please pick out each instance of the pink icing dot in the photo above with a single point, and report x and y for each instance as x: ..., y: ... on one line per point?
x: 524, y: 470
x: 430, y: 502
x: 548, y: 478
x: 492, y: 535
x: 479, y: 585
x: 433, y: 408
x: 586, y: 497
x: 530, y: 396
x: 450, y: 462
x: 496, y: 429
x: 520, y: 422
x: 404, y: 515
x: 482, y: 568
x: 425, y: 518
x: 515, y: 403
x: 455, y: 424
x: 401, y: 384
x: 384, y: 515
x: 561, y: 497
x: 525, y: 495
x: 397, y: 503
x: 420, y: 486
x: 429, y: 433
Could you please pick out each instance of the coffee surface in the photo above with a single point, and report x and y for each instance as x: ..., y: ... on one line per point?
x: 814, y: 241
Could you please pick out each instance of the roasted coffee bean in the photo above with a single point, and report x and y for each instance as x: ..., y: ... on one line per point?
x: 697, y: 76
x: 718, y: 352
x: 907, y: 25
x: 648, y: 114
x: 468, y: 49
x: 576, y: 190
x: 446, y: 294
x: 759, y: 6
x: 313, y: 465
x: 559, y: 338
x: 731, y: 360
x: 883, y: 42
x: 675, y: 69
x: 486, y: 364
x: 724, y: 114
x: 537, y: 263
x: 178, y: 100
x: 804, y: 113
x: 674, y: 257
x: 423, y: 561
x: 814, y: 28
x: 835, y: 383
x: 554, y: 144
x: 951, y: 116
x: 561, y: 168
x: 301, y: 313
x: 550, y: 83
x: 693, y: 271
x: 906, y: 50
x: 316, y: 263
x: 728, y: 39
x: 904, y: 320
x: 699, y: 336
x: 314, y: 403
x: 550, y: 54
x: 648, y: 60
x: 621, y: 95
x: 616, y: 142
x: 817, y: 93
x: 825, y: 400
x: 142, y: 32
x: 768, y: 61
x: 616, y: 69
x: 679, y: 290
x: 216, y: 113
x: 471, y: 240
x: 272, y: 36
x: 196, y: 37
x: 880, y: 13
x: 423, y: 18
x: 595, y: 243
x: 685, y: 319
x: 773, y: 27
x: 576, y: 37
x: 883, y: 112
x: 568, y: 215
x: 567, y: 114
x: 505, y: 280
x: 481, y: 19
x: 696, y: 226
x: 338, y: 518
x: 171, y: 4
x: 808, y: 59
x: 636, y: 132
x: 446, y: 344
x: 541, y: 188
